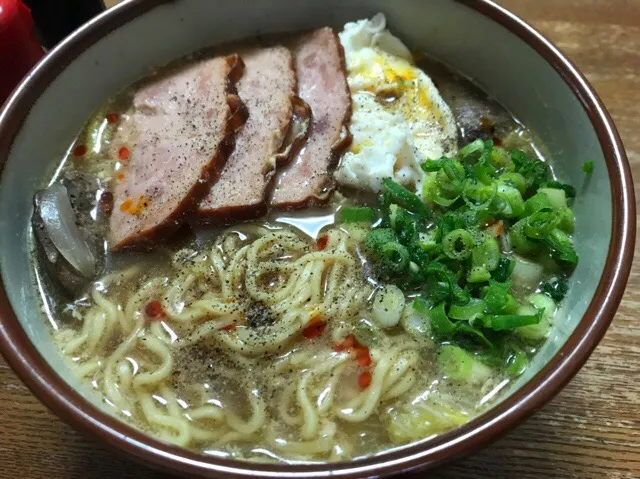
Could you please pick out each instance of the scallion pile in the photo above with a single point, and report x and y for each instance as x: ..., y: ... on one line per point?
x: 452, y: 248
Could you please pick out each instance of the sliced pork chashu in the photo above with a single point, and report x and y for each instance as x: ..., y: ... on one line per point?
x: 172, y: 145
x: 322, y: 84
x: 268, y: 89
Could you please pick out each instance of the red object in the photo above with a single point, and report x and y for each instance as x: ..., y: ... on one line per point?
x: 106, y: 202
x: 19, y: 47
x: 123, y: 153
x: 362, y: 356
x: 321, y: 243
x: 314, y: 328
x: 364, y: 380
x: 154, y: 310
x: 80, y: 150
x: 348, y: 343
x: 113, y: 118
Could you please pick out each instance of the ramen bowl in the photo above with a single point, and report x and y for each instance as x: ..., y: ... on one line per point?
x: 502, y: 54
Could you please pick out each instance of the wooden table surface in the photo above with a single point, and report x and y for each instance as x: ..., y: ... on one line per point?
x: 590, y: 430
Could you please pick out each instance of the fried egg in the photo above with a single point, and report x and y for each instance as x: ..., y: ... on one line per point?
x: 399, y: 118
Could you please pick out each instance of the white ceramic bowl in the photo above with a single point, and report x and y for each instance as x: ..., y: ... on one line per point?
x: 503, y: 55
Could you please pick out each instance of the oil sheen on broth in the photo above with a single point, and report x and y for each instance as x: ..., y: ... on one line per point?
x: 300, y: 336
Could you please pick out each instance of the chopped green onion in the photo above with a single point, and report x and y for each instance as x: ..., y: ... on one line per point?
x: 357, y: 215
x: 394, y: 257
x: 587, y: 167
x: 454, y: 171
x: 557, y: 197
x: 405, y: 224
x: 420, y: 305
x: 555, y: 288
x: 377, y: 238
x: 444, y: 202
x: 427, y: 241
x: 471, y: 310
x: 433, y: 165
x: 527, y: 274
x: 513, y: 200
x: 484, y: 171
x: 388, y: 305
x: 498, y: 299
x: 501, y: 159
x: 458, y: 244
x: 486, y: 254
x: 478, y: 274
x: 463, y: 327
x: 537, y: 202
x: 459, y: 365
x: 472, y: 151
x: 460, y: 276
x: 519, y: 240
x: 561, y: 246
x: 479, y: 196
x: 533, y: 170
x: 517, y: 363
x: 503, y: 322
x: 569, y: 190
x: 545, y: 307
x: 514, y: 179
x: 401, y: 196
x: 567, y: 220
x: 439, y: 274
x: 440, y: 323
x: 543, y: 303
x: 504, y: 270
x: 540, y: 224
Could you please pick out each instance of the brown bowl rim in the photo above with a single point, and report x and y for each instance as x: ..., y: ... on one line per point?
x: 70, y: 406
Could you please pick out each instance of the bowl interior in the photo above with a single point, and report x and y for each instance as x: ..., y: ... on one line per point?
x: 500, y: 62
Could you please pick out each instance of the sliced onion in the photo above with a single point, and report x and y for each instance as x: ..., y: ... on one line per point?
x: 59, y: 221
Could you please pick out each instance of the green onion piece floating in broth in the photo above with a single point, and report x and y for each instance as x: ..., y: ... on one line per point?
x: 461, y: 366
x: 366, y: 334
x: 503, y: 322
x: 356, y: 214
x: 587, y: 167
x: 517, y: 363
x: 556, y: 288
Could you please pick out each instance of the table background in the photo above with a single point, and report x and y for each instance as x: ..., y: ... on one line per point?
x: 590, y: 430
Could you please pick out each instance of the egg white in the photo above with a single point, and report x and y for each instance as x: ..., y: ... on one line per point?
x: 399, y: 118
